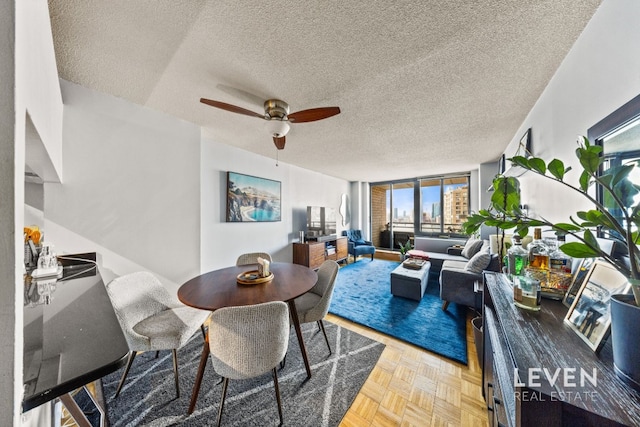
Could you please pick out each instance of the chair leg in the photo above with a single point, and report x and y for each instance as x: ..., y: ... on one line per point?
x: 175, y: 371
x: 225, y: 383
x: 371, y: 257
x: 132, y: 355
x: 157, y: 353
x: 204, y: 332
x: 321, y: 324
x: 275, y: 385
x: 283, y: 361
x: 445, y: 304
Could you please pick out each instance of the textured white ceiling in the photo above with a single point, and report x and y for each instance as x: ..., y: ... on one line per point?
x: 425, y: 87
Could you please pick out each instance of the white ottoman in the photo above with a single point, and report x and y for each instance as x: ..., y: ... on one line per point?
x: 410, y: 283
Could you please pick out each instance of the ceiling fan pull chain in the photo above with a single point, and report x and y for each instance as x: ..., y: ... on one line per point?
x: 277, y: 157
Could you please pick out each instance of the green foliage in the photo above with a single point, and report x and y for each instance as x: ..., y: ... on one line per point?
x: 405, y: 248
x: 618, y: 195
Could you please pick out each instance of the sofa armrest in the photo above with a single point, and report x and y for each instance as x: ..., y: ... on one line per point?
x: 454, y: 251
x: 458, y: 277
x: 456, y: 286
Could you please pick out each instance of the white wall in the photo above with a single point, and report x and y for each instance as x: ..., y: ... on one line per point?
x: 29, y: 95
x: 131, y: 184
x: 222, y: 242
x: 600, y: 74
x: 10, y: 323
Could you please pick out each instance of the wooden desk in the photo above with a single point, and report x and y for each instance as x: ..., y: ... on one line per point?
x: 219, y: 288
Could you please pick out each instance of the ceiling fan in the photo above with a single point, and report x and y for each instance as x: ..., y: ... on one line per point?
x: 276, y: 113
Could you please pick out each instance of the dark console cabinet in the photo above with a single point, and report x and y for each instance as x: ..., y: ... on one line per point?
x: 313, y: 254
x: 538, y: 372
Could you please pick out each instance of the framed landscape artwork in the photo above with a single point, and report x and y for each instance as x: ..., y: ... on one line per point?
x: 252, y: 199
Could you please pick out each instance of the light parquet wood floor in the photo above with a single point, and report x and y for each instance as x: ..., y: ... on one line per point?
x: 410, y: 386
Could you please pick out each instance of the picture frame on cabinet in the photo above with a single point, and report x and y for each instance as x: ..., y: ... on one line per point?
x: 589, y: 315
x: 584, y: 264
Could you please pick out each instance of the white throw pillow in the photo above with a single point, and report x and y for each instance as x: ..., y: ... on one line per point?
x: 471, y: 248
x: 479, y: 262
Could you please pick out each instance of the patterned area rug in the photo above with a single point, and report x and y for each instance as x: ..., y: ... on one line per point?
x: 363, y: 295
x: 148, y: 397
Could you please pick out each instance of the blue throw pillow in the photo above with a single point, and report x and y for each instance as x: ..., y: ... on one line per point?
x: 360, y: 242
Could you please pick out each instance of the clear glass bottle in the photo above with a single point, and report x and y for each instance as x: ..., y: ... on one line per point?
x: 559, y: 269
x: 518, y: 257
x: 526, y: 293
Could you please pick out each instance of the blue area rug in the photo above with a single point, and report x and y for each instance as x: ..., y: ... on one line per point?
x: 362, y: 294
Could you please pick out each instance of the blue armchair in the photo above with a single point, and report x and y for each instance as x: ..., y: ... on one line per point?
x: 357, y: 245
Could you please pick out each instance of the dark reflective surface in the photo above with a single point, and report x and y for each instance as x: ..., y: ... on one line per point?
x: 71, y: 334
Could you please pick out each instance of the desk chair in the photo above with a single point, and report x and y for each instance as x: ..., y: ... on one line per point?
x: 248, y: 341
x: 150, y: 319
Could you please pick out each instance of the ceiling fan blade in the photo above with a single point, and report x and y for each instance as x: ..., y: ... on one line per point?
x: 279, y: 142
x: 232, y: 108
x: 313, y: 114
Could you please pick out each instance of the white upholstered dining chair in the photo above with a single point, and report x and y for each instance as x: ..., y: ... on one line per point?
x: 150, y: 319
x: 313, y: 306
x: 248, y: 341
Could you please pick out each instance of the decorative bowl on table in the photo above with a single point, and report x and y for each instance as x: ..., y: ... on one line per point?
x: 253, y: 277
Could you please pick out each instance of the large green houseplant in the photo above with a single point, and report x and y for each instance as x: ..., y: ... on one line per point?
x: 618, y: 195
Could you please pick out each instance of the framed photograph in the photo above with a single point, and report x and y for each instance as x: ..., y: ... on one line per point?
x: 589, y: 315
x: 524, y: 149
x: 584, y: 264
x: 252, y: 199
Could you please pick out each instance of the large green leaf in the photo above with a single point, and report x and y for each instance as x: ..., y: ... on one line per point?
x: 620, y: 173
x: 506, y: 194
x: 520, y: 161
x: 585, y: 180
x: 589, y: 158
x: 538, y: 165
x: 556, y: 168
x: 561, y: 226
x: 578, y: 250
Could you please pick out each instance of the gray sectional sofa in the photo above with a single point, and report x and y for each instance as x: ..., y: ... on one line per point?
x: 456, y: 272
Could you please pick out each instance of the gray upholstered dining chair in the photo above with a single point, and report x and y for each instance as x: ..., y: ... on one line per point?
x: 248, y: 341
x: 150, y: 319
x: 313, y: 306
x: 252, y: 258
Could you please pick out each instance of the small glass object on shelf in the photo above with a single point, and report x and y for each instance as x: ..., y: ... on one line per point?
x: 559, y: 271
x: 538, y: 267
x: 517, y: 258
x: 526, y: 293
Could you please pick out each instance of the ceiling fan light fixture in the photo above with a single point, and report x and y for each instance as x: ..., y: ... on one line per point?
x: 277, y: 128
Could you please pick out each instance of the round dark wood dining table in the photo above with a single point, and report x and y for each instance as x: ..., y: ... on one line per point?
x: 220, y: 288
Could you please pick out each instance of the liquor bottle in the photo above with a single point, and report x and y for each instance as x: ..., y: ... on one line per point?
x: 559, y: 269
x: 538, y: 251
x: 518, y: 257
x: 558, y: 260
x: 538, y: 267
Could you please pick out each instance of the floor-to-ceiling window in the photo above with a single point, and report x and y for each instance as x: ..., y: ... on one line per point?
x: 619, y: 136
x: 430, y: 206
